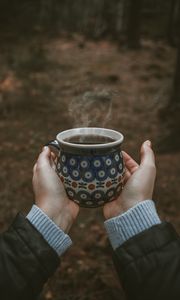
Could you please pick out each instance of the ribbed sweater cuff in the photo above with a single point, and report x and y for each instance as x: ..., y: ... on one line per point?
x: 137, y: 219
x: 55, y: 237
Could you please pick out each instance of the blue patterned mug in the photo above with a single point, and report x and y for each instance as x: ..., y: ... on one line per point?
x: 90, y: 164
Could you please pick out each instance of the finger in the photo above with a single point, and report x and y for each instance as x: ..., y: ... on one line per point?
x: 44, y: 157
x: 52, y: 163
x: 130, y: 163
x: 147, y: 154
x: 127, y: 175
x: 34, y: 168
x: 53, y: 155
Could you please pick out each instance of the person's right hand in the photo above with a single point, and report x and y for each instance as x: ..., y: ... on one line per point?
x: 139, y: 182
x: 50, y: 195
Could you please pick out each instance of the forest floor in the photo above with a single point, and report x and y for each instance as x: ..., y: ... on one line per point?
x: 41, y: 93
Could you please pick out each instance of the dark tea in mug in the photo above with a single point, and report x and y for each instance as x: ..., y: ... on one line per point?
x: 89, y: 139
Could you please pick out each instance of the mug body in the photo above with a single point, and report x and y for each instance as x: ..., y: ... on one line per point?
x: 90, y: 165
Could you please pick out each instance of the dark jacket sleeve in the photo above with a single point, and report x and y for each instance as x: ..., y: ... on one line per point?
x: 149, y: 264
x: 26, y: 261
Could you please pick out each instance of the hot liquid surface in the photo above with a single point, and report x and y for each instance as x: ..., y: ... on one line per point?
x: 89, y: 139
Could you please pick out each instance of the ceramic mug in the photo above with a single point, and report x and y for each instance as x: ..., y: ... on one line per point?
x: 90, y: 164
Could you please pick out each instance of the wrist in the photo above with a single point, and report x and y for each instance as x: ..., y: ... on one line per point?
x: 55, y: 237
x: 122, y: 205
x: 118, y: 207
x: 62, y: 218
x: 131, y: 202
x: 130, y: 223
x: 125, y: 205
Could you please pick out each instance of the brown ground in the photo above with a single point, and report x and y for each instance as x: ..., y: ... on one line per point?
x: 36, y: 92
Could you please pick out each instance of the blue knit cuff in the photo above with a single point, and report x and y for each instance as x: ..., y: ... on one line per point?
x: 55, y: 237
x: 137, y: 219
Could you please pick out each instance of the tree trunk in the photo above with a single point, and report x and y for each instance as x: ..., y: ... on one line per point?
x: 170, y: 114
x: 109, y: 13
x: 134, y: 24
x: 172, y: 23
x: 176, y: 84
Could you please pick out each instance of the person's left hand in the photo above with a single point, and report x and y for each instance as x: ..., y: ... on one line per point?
x: 139, y: 182
x: 50, y: 195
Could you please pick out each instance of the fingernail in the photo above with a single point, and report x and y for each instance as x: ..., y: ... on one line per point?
x: 44, y: 148
x: 148, y: 143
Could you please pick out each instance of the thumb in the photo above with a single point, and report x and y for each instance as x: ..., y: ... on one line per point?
x: 147, y: 154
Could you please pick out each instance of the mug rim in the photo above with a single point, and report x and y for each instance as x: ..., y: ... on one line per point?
x: 90, y: 131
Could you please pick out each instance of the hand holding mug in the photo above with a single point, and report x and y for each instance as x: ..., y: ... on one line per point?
x: 50, y: 195
x: 139, y: 182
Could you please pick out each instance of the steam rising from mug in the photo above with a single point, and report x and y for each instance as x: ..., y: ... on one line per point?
x: 92, y: 109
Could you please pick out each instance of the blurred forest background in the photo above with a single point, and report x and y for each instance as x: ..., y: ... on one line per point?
x: 99, y: 63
